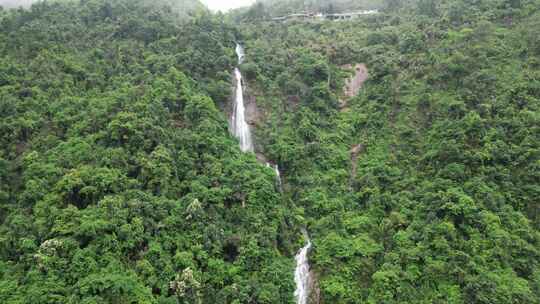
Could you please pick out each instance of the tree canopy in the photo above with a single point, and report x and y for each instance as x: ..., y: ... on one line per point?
x: 121, y: 183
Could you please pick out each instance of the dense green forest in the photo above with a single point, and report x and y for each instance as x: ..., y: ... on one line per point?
x: 121, y: 183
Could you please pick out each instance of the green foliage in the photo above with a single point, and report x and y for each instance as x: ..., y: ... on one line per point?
x: 120, y: 181
x: 438, y: 205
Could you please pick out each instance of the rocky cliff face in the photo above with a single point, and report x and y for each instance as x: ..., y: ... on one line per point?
x: 314, y: 289
x: 253, y: 114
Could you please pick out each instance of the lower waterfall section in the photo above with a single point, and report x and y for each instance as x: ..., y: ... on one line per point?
x: 302, y: 274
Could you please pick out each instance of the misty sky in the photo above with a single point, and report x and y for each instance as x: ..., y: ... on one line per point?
x: 224, y: 5
x: 15, y: 3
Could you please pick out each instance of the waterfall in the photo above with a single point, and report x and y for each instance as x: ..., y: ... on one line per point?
x: 241, y: 130
x: 240, y: 53
x: 301, y: 273
x: 278, y: 175
x: 240, y: 127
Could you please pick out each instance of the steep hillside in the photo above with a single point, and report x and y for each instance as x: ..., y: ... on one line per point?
x: 120, y: 181
x: 424, y: 188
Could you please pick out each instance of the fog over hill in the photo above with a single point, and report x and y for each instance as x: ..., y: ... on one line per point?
x: 16, y: 3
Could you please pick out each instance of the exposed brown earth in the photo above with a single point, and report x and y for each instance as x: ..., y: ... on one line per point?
x: 354, y: 83
x: 355, y: 151
x: 253, y: 115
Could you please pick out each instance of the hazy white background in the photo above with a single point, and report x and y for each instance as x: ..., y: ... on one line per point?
x: 15, y: 3
x: 225, y: 5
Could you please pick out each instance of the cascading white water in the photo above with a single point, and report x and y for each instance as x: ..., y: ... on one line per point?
x: 278, y: 175
x: 240, y: 53
x: 301, y: 274
x: 240, y: 127
x: 242, y: 131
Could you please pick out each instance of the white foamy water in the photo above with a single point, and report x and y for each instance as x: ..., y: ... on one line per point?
x: 240, y: 53
x: 301, y: 274
x: 278, y: 175
x: 240, y: 127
